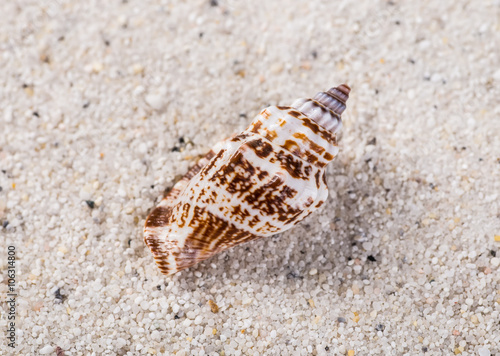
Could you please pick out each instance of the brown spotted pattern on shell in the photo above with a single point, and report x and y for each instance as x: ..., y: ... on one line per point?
x: 258, y: 183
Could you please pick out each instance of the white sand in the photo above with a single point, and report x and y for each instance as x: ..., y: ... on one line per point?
x: 95, y: 96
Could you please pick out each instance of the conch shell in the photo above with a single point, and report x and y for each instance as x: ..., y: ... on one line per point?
x: 258, y: 183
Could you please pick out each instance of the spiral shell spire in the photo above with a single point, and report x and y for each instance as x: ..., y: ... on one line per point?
x: 326, y: 107
x: 335, y: 98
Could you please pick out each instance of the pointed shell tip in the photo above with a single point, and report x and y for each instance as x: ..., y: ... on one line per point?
x: 344, y: 88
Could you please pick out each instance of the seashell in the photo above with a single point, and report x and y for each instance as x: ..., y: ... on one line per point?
x: 258, y: 183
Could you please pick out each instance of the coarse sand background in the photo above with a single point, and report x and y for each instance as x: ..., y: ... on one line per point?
x: 105, y: 103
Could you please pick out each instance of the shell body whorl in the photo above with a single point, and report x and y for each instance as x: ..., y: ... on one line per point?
x: 255, y: 184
